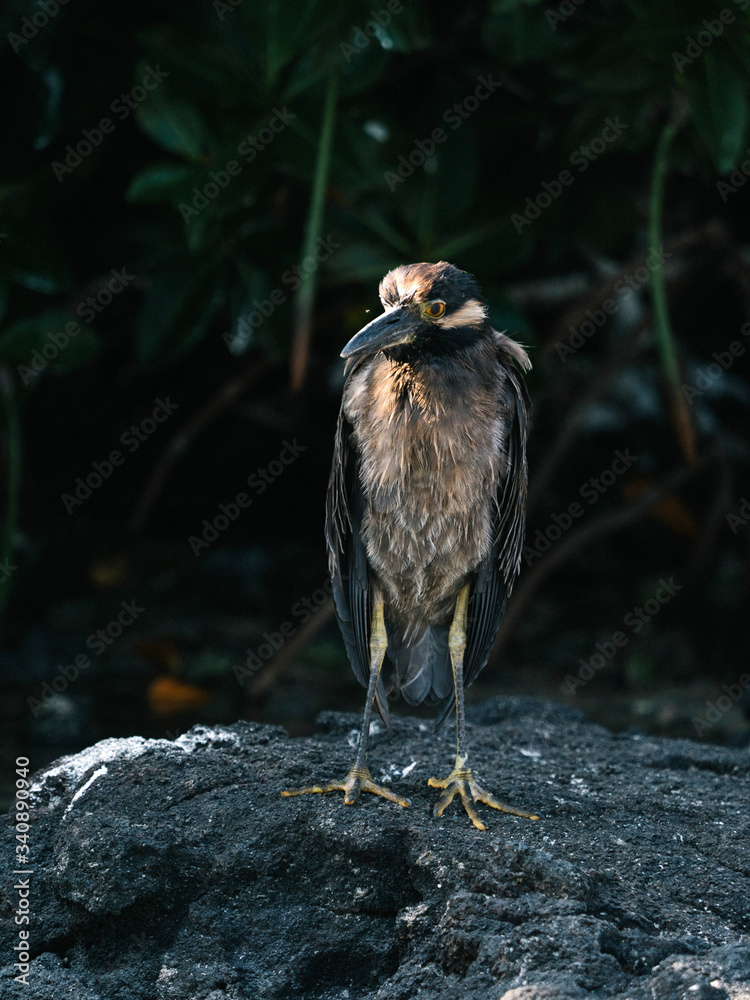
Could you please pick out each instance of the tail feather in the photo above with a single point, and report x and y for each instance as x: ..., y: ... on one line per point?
x: 447, y: 709
x: 381, y: 702
x: 422, y: 664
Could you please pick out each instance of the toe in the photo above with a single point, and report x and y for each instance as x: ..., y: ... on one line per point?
x: 471, y: 811
x: 481, y: 795
x: 386, y: 793
x: 460, y: 782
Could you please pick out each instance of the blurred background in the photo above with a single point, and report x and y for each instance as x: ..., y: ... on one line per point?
x: 198, y: 201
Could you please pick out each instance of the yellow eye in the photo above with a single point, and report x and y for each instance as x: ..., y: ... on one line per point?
x: 434, y: 309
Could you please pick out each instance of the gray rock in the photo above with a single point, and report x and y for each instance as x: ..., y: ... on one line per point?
x: 174, y: 870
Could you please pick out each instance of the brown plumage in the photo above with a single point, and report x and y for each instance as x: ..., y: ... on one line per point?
x: 425, y: 510
x: 428, y: 485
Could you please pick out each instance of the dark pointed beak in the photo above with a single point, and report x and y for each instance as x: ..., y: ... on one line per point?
x: 394, y: 327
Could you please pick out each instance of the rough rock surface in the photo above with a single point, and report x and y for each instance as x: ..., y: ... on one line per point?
x: 175, y: 870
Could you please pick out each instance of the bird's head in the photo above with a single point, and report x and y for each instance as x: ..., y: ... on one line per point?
x: 430, y: 307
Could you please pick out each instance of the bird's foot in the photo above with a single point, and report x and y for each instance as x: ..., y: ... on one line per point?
x: 460, y: 782
x: 358, y: 780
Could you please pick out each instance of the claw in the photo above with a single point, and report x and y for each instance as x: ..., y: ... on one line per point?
x: 460, y: 782
x: 358, y: 780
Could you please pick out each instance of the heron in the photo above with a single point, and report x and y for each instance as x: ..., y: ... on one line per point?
x: 425, y: 510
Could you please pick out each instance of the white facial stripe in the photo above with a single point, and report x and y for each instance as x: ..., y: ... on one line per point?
x: 471, y: 313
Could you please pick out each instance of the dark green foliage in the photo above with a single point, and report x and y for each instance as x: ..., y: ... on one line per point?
x: 183, y: 144
x: 231, y: 72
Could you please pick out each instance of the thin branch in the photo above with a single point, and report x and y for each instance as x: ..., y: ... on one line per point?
x: 621, y: 355
x: 179, y: 444
x: 279, y: 665
x: 663, y: 333
x: 711, y: 232
x: 303, y: 312
x: 13, y: 490
x: 712, y: 526
x: 583, y: 538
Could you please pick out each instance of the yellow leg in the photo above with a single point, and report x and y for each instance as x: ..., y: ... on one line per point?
x: 359, y: 779
x: 460, y: 781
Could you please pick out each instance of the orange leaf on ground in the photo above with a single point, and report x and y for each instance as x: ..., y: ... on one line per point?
x: 168, y: 696
x: 669, y: 510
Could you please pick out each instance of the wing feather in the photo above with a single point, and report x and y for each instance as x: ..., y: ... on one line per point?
x: 347, y: 555
x: 494, y: 578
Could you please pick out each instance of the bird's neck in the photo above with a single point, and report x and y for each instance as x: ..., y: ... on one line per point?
x: 421, y: 387
x: 428, y: 371
x: 459, y: 344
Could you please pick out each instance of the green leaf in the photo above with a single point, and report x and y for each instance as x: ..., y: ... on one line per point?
x: 517, y: 34
x: 719, y: 106
x: 250, y: 325
x: 363, y: 260
x: 163, y: 182
x: 281, y: 33
x: 177, y: 310
x: 55, y: 340
x: 176, y: 126
x: 33, y: 253
x: 408, y: 31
